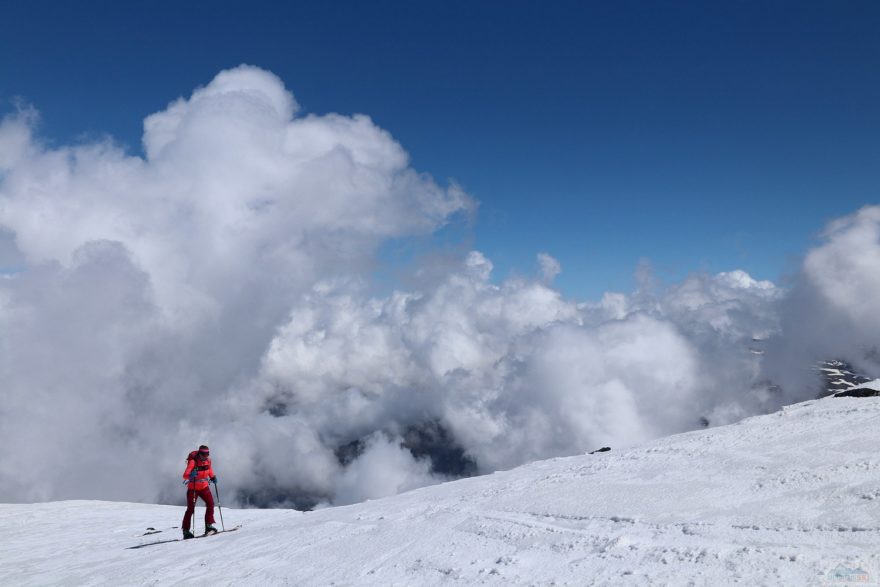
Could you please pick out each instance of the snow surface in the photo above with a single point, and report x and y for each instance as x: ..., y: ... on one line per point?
x: 789, y: 498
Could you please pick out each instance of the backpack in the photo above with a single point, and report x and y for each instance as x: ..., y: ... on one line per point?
x: 197, y: 467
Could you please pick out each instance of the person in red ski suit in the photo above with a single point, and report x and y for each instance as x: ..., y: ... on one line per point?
x: 198, y: 472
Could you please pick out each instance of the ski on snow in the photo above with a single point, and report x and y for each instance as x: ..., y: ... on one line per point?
x: 182, y: 539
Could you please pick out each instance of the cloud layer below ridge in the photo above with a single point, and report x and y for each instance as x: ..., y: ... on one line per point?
x: 216, y: 290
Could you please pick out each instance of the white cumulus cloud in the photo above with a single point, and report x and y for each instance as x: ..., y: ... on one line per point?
x: 216, y: 291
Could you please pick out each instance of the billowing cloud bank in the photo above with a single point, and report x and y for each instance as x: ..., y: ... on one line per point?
x: 216, y: 291
x: 833, y: 309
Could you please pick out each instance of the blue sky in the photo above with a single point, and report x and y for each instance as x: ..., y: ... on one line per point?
x: 698, y: 135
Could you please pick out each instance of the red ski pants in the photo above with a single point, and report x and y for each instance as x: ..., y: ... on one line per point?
x: 207, y: 497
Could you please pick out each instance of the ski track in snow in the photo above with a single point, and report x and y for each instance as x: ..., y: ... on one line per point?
x: 780, y: 499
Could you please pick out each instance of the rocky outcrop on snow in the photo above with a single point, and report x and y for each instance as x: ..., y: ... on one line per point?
x: 859, y: 392
x: 839, y: 376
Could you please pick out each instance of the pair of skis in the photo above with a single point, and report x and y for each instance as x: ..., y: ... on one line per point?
x: 181, y: 539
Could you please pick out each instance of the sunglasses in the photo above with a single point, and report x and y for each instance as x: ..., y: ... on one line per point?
x: 204, y: 453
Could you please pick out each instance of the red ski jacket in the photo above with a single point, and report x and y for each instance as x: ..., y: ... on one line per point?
x: 202, y: 468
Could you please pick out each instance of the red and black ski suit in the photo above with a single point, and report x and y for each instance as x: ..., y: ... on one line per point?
x: 198, y: 487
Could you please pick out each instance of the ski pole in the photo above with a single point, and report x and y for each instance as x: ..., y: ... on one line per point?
x: 193, y: 518
x: 219, y: 507
x: 190, y: 486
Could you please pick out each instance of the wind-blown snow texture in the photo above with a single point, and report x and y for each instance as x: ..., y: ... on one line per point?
x: 216, y: 290
x: 788, y: 498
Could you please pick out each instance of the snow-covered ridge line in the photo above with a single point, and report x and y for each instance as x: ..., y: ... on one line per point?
x: 787, y: 498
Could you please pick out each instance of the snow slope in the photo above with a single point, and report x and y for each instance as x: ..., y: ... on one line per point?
x: 785, y: 499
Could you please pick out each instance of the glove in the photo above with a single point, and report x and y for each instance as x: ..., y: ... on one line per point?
x: 214, y: 480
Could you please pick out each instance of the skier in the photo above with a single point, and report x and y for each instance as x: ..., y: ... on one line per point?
x: 198, y: 472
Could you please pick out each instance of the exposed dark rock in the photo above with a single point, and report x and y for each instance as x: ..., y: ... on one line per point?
x: 276, y: 407
x: 427, y: 440
x: 348, y: 452
x: 433, y: 441
x: 858, y: 392
x: 274, y: 497
x: 839, y: 376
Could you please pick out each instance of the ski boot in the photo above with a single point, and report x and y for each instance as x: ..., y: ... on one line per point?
x: 210, y: 530
x: 187, y: 535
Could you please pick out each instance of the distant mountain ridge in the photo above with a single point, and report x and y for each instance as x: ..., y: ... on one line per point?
x: 839, y: 377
